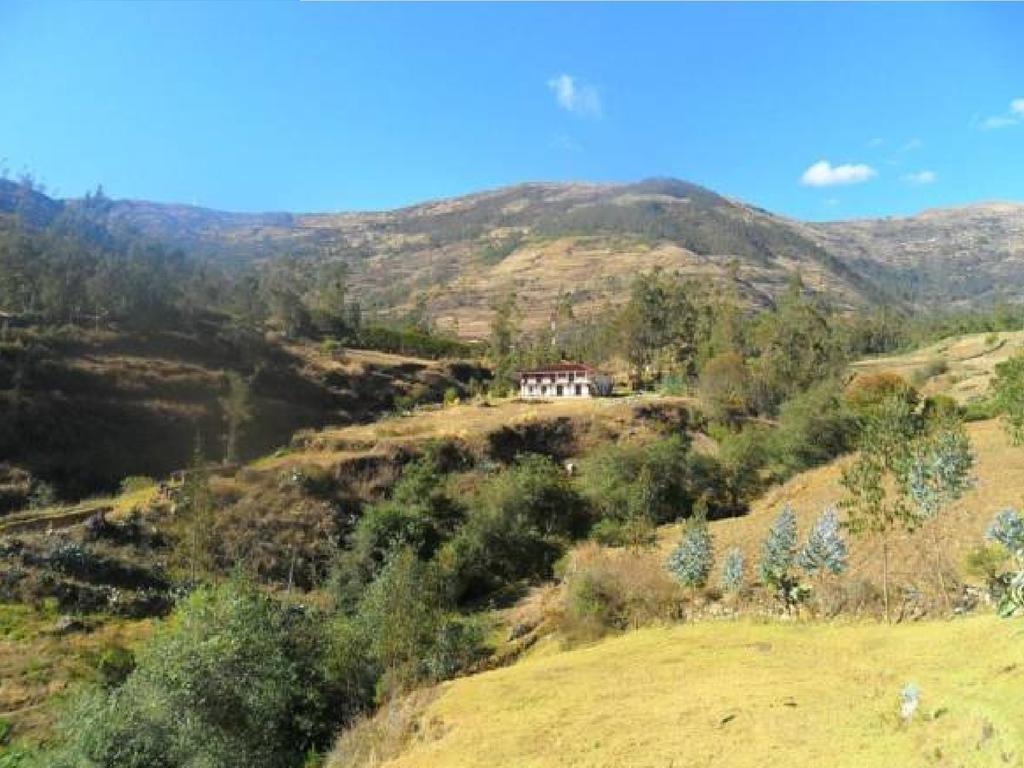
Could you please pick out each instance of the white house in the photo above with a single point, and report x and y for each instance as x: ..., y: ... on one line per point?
x: 558, y: 380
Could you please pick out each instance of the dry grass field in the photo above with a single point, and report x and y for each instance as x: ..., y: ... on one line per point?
x: 734, y: 695
x: 471, y: 423
x: 38, y: 664
x: 961, y: 366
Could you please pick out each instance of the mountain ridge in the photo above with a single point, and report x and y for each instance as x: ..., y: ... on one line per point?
x: 457, y: 256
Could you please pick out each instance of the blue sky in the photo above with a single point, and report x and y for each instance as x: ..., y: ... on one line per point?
x: 815, y: 111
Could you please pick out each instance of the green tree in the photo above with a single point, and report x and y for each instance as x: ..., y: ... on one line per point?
x: 725, y: 388
x: 195, y: 519
x: 906, y: 471
x: 236, y: 405
x: 1008, y: 386
x: 504, y: 336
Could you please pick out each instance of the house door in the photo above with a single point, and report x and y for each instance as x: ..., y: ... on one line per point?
x: 579, y: 390
x: 559, y: 390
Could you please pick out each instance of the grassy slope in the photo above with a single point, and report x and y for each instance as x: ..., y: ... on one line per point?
x: 754, y: 694
x: 740, y: 695
x: 970, y: 361
x: 37, y: 665
x: 999, y: 474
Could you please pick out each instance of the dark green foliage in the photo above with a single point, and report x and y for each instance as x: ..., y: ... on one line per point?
x: 1008, y: 386
x: 419, y: 515
x: 231, y: 680
x: 515, y: 529
x: 797, y: 348
x: 815, y: 427
x: 408, y: 341
x: 667, y: 478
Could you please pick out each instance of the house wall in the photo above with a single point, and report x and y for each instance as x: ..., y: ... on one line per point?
x: 547, y: 385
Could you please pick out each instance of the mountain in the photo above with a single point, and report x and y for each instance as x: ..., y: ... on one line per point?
x: 458, y: 256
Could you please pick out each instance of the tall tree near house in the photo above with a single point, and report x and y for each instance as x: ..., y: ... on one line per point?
x: 236, y: 406
x: 504, y: 336
x: 906, y: 472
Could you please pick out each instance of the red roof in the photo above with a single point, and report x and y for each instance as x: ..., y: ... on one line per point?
x: 559, y: 368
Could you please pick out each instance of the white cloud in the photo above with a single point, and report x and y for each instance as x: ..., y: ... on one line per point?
x: 876, y: 142
x: 575, y: 96
x: 1013, y: 116
x: 914, y: 143
x: 824, y: 174
x: 921, y: 177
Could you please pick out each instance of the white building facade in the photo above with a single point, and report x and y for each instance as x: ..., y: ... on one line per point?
x: 559, y: 380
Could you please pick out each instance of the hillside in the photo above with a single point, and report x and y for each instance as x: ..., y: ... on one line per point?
x: 960, y: 367
x: 731, y: 694
x: 545, y: 240
x: 84, y: 409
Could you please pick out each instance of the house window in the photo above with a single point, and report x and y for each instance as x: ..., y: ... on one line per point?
x: 572, y: 377
x: 559, y: 390
x: 543, y: 390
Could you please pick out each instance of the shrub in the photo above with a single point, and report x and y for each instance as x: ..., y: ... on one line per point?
x: 516, y: 528
x: 451, y: 396
x: 733, y: 571
x: 114, y: 665
x: 779, y: 550
x: 230, y: 680
x: 602, y: 385
x: 868, y: 391
x: 825, y: 550
x: 673, y: 479
x: 43, y: 495
x: 814, y: 427
x: 612, y: 590
x: 1008, y: 530
x: 691, y: 561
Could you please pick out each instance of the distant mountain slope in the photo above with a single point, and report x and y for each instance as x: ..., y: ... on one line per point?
x: 957, y: 255
x: 547, y: 239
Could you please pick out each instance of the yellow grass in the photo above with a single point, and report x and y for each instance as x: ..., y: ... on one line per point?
x: 970, y: 360
x: 742, y: 694
x: 37, y: 665
x: 469, y: 422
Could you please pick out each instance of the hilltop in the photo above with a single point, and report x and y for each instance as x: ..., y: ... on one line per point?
x: 456, y: 257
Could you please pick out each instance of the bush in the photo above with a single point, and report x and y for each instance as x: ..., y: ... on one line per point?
x: 825, y: 550
x: 733, y: 568
x: 674, y: 480
x: 779, y: 550
x: 814, y: 428
x: 516, y: 528
x: 608, y: 591
x: 869, y: 391
x: 451, y: 396
x: 114, y: 665
x: 231, y: 680
x: 691, y: 561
